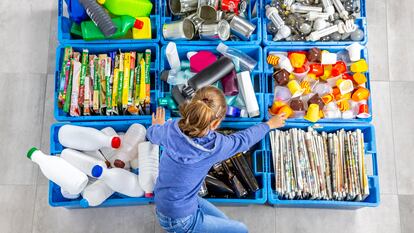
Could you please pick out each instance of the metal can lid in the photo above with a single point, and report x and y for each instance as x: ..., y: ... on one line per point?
x: 242, y: 6
x: 223, y: 30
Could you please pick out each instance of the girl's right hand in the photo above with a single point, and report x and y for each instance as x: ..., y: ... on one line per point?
x: 159, y: 117
x: 277, y: 121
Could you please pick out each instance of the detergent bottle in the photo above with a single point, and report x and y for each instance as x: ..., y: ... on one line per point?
x: 123, y: 23
x: 134, y: 8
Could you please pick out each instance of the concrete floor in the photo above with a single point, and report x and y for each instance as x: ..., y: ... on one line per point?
x: 27, y: 61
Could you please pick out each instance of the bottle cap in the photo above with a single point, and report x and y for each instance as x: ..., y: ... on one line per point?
x: 31, y: 151
x: 101, y: 1
x: 119, y: 163
x: 97, y: 171
x: 116, y: 142
x: 84, y: 203
x: 149, y: 195
x: 221, y: 47
x: 138, y: 24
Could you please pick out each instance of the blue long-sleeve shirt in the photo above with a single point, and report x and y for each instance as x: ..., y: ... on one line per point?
x: 186, y: 161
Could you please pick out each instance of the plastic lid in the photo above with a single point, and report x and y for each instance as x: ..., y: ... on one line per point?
x: 116, y: 142
x: 164, y: 75
x: 101, y: 1
x: 31, y: 151
x: 119, y: 163
x: 138, y: 24
x: 84, y: 203
x: 97, y: 171
x: 149, y: 195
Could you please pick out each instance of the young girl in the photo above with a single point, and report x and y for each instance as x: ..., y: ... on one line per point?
x: 191, y: 148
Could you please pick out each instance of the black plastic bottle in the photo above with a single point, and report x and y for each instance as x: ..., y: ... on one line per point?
x: 244, y: 172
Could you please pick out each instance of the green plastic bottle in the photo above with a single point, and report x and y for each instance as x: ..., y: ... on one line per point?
x: 134, y: 8
x: 124, y: 23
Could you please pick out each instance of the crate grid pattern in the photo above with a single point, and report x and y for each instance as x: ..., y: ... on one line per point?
x: 258, y: 47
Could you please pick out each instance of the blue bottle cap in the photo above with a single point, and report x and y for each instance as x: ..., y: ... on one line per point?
x: 84, y: 203
x: 97, y: 171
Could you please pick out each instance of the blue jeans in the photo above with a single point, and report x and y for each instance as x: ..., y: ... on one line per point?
x: 207, y: 219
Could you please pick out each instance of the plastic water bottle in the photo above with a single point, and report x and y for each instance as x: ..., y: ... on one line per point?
x: 129, y: 150
x: 59, y: 171
x: 95, y: 194
x: 148, y: 166
x: 99, y: 16
x: 85, y: 138
x: 81, y: 161
x: 119, y: 180
x: 246, y: 62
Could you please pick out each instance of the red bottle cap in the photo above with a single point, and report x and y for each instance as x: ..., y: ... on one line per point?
x: 116, y: 142
x: 138, y: 24
x: 149, y: 195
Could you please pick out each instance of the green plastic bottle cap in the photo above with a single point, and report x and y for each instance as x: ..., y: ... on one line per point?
x: 31, y: 151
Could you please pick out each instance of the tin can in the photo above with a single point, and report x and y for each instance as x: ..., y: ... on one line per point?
x: 215, y: 31
x: 236, y: 6
x: 180, y: 7
x: 207, y: 9
x: 241, y: 27
x: 179, y: 30
x: 196, y: 20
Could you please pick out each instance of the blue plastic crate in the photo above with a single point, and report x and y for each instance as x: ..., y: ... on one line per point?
x: 60, y: 115
x: 254, y: 51
x: 55, y: 197
x: 372, y: 200
x: 258, y: 163
x: 255, y: 38
x: 268, y: 38
x: 269, y: 82
x: 65, y: 23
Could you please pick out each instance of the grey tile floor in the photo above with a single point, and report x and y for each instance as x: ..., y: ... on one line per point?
x: 27, y: 48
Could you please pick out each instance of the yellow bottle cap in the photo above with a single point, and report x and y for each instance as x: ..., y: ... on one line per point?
x: 101, y: 1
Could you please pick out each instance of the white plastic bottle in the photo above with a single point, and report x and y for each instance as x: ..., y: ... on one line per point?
x: 119, y: 180
x: 109, y: 152
x: 81, y: 161
x: 172, y: 56
x: 95, y: 194
x: 67, y: 195
x: 86, y: 138
x: 148, y: 166
x: 129, y: 149
x: 246, y: 89
x: 56, y: 169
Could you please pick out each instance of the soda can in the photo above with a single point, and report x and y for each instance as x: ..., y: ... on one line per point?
x: 236, y: 6
x: 215, y: 31
x: 196, y: 20
x: 180, y: 7
x: 241, y: 27
x: 207, y: 9
x: 179, y: 30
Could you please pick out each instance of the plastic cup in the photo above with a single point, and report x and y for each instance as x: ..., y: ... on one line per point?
x: 282, y: 93
x: 345, y: 86
x: 349, y: 114
x: 322, y: 89
x: 287, y: 110
x: 359, y: 78
x: 298, y: 114
x: 284, y: 63
x: 329, y: 58
x: 276, y: 106
x: 332, y: 81
x: 312, y: 114
x: 360, y: 94
x: 331, y: 111
x: 302, y: 75
x: 354, y: 51
x: 294, y: 88
x: 363, y: 111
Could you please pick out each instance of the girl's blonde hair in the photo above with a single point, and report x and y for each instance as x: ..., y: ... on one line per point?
x: 208, y: 104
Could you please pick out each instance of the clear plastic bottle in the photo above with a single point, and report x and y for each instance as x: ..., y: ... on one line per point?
x: 246, y: 62
x: 148, y: 166
x: 129, y: 150
x: 95, y: 194
x: 119, y: 180
x: 59, y: 171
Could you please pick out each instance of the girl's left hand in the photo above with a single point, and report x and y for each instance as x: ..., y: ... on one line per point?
x: 158, y: 118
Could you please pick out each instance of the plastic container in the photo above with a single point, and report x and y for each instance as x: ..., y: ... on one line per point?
x: 268, y: 37
x: 64, y: 26
x: 370, y: 151
x: 255, y: 38
x: 269, y: 81
x: 258, y: 165
x: 60, y: 115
